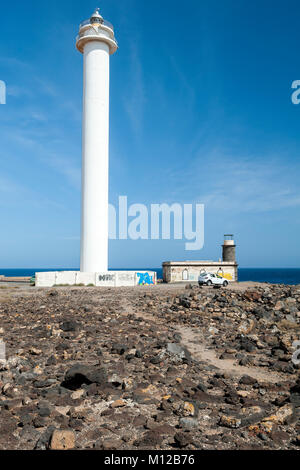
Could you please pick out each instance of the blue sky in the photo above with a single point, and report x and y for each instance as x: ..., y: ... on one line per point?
x: 201, y: 112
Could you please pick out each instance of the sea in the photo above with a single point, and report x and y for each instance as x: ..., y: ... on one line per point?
x: 289, y: 276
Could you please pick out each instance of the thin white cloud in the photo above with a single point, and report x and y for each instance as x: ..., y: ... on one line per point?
x: 15, y: 194
x: 182, y: 79
x: 17, y: 91
x: 70, y: 239
x: 135, y: 100
x: 8, y: 186
x: 67, y: 168
x: 62, y: 164
x: 247, y: 185
x: 238, y: 184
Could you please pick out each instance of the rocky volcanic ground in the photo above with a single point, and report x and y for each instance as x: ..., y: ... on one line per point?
x: 165, y: 367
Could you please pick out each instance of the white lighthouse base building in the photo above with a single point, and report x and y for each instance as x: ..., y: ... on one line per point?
x: 106, y: 279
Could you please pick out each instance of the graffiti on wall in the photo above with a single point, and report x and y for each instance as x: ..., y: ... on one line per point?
x: 126, y: 277
x: 145, y: 279
x: 228, y: 276
x: 187, y: 276
x: 107, y: 278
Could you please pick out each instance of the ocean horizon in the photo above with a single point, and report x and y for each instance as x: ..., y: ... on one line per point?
x: 287, y: 276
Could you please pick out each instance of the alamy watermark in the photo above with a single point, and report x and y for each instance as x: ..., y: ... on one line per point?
x: 296, y: 94
x: 2, y: 92
x: 158, y: 222
x: 2, y: 352
x: 296, y: 355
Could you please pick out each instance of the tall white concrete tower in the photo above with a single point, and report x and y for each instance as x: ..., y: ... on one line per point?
x: 96, y: 41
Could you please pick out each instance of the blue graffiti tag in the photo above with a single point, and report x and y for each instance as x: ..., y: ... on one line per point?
x: 145, y: 279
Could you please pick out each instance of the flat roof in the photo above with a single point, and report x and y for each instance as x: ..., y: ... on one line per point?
x: 200, y: 263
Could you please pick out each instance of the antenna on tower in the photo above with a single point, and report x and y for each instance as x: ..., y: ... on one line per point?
x: 96, y: 17
x: 96, y: 13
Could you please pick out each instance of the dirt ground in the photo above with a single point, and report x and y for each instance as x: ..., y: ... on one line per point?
x: 161, y: 367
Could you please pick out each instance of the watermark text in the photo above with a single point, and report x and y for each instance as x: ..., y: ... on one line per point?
x: 2, y: 352
x: 158, y: 222
x: 2, y: 92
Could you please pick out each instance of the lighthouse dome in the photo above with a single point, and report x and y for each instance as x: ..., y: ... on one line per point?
x: 96, y: 17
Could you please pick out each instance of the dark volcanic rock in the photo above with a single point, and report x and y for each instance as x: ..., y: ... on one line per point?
x: 81, y: 374
x: 119, y: 349
x: 69, y: 326
x: 247, y: 380
x: 183, y: 439
x: 179, y: 351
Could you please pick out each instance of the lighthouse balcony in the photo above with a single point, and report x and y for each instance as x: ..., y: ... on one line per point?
x: 89, y: 33
x: 89, y: 23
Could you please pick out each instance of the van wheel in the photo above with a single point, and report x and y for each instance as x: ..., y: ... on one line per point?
x: 225, y: 283
x: 209, y: 283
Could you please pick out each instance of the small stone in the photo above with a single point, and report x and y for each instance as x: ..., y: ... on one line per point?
x: 35, y: 352
x: 44, y: 412
x: 246, y: 327
x: 243, y: 393
x: 119, y: 349
x: 213, y: 331
x: 189, y: 409
x: 118, y: 404
x: 43, y: 442
x: 182, y: 439
x: 62, y: 440
x: 111, y: 444
x: 230, y: 422
x: 77, y: 394
x: 51, y: 361
x: 188, y: 423
x: 81, y: 374
x: 39, y: 422
x: 262, y: 436
x: 247, y: 380
x: 179, y: 351
x: 69, y: 326
x: 155, y: 360
x: 201, y: 387
x: 282, y: 415
x: 280, y: 436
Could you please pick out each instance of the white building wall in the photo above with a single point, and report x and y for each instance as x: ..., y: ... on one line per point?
x: 186, y: 272
x: 85, y: 278
x: 104, y: 279
x: 65, y: 277
x: 45, y: 279
x: 126, y: 279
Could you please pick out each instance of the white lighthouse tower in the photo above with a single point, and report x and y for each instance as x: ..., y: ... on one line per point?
x: 96, y: 41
